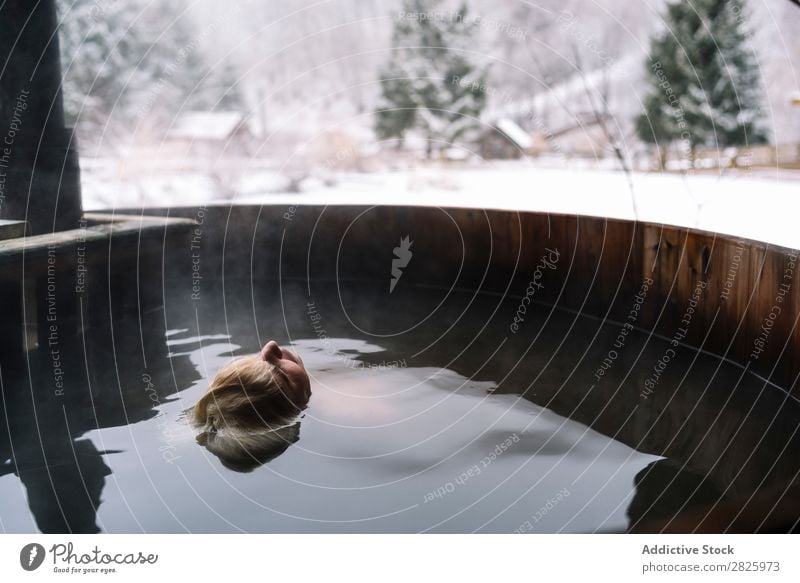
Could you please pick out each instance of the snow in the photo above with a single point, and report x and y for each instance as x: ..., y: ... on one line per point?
x: 762, y: 208
x: 761, y: 205
x: 558, y: 97
x: 263, y: 181
x: 514, y: 133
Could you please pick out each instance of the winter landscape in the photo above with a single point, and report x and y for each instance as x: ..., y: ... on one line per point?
x: 401, y: 266
x: 604, y: 108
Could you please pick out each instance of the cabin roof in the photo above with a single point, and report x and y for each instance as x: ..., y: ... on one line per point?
x: 206, y: 125
x: 514, y: 132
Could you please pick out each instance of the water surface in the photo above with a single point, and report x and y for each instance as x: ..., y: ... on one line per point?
x: 427, y: 415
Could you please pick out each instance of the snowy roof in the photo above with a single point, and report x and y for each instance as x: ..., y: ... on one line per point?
x: 513, y: 132
x: 206, y: 125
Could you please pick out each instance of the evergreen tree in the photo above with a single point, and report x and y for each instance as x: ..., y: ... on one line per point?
x: 704, y: 80
x: 431, y: 82
x: 99, y: 45
x: 135, y: 62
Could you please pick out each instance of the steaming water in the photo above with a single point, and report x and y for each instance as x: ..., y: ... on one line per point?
x: 376, y: 444
x: 393, y: 440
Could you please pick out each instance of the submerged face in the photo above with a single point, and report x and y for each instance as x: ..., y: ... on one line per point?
x: 290, y: 373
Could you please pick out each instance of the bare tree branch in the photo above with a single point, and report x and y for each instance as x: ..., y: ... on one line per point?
x: 601, y: 114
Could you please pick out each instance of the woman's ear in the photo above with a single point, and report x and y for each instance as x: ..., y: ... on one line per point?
x: 211, y: 424
x: 210, y: 430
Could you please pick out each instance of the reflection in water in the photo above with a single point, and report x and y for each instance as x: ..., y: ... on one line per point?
x: 666, y: 488
x: 46, y: 416
x: 448, y: 452
x: 63, y: 484
x: 248, y: 450
x: 63, y: 475
x: 444, y: 424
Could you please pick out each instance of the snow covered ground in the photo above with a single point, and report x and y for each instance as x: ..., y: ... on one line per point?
x: 763, y: 206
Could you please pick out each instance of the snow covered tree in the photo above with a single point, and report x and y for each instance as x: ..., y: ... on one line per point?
x: 432, y: 81
x: 133, y: 63
x: 101, y: 53
x: 705, y: 84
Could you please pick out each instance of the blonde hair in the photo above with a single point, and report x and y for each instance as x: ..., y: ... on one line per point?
x: 244, y: 451
x: 246, y: 417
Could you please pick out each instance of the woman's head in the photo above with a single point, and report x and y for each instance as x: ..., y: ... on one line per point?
x: 244, y: 451
x: 250, y: 405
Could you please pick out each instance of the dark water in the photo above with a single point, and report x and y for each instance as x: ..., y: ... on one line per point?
x: 427, y: 414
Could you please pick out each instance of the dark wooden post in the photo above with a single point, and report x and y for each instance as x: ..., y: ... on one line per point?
x: 39, y: 172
